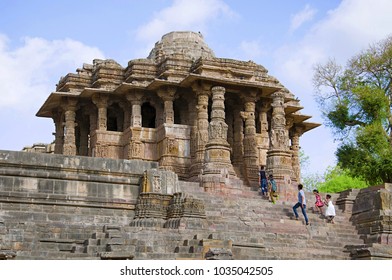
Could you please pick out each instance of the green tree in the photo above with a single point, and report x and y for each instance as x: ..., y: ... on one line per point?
x: 338, y: 179
x: 310, y: 180
x: 356, y: 103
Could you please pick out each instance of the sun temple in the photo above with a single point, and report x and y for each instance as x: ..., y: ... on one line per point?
x: 160, y: 160
x: 197, y: 115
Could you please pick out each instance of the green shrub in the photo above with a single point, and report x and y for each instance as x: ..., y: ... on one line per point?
x: 337, y: 180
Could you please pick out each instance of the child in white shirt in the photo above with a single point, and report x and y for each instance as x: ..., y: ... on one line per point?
x: 330, y: 211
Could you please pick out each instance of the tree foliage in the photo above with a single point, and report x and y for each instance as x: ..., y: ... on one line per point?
x: 338, y: 179
x: 356, y: 103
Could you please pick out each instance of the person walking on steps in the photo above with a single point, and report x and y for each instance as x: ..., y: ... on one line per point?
x: 318, y: 205
x: 330, y: 211
x: 263, y: 181
x: 301, y: 203
x: 272, y: 189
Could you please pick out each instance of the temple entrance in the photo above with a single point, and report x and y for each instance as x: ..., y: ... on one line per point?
x: 115, y: 119
x: 148, y: 115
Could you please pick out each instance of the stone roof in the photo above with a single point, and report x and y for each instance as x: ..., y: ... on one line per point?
x: 186, y: 43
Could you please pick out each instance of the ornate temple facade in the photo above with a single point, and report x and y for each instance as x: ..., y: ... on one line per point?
x: 208, y: 119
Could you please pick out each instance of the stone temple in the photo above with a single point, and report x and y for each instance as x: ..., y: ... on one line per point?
x: 160, y: 160
x: 205, y: 118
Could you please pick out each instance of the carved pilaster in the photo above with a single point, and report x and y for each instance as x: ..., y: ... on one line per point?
x: 58, y: 118
x: 135, y: 98
x: 100, y: 148
x: 167, y: 95
x: 169, y: 156
x: 193, y: 122
x: 69, y: 147
x: 264, y: 143
x: 135, y: 148
x: 101, y: 101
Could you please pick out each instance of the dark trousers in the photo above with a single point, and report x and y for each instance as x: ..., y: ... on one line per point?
x: 303, y: 211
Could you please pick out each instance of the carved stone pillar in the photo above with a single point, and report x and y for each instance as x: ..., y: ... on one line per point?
x: 279, y: 155
x: 167, y: 95
x: 127, y: 114
x: 250, y: 144
x: 264, y: 142
x: 100, y: 147
x: 238, y: 146
x: 217, y: 160
x: 201, y: 139
x: 135, y: 147
x: 136, y: 101
x: 69, y: 147
x: 93, y: 118
x: 101, y: 101
x: 59, y: 134
x: 230, y: 128
x: 296, y: 133
x: 193, y: 122
x: 83, y: 142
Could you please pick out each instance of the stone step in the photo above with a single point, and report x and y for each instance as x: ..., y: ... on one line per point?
x: 128, y: 248
x: 94, y: 250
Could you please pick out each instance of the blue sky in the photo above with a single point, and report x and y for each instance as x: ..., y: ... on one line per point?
x: 40, y: 41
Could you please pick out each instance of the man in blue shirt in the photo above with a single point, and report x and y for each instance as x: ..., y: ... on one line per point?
x: 301, y: 203
x: 263, y: 181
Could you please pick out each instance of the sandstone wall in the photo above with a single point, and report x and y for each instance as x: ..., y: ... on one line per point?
x: 45, y: 199
x: 372, y: 214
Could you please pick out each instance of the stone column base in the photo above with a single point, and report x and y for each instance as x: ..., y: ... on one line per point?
x: 223, y: 185
x: 279, y: 165
x: 370, y: 252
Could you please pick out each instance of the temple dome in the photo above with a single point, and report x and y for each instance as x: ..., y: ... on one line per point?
x: 189, y: 44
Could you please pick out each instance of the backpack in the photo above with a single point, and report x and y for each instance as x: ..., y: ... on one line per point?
x: 273, y: 186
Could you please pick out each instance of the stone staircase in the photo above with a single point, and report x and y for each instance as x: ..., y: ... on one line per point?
x: 245, y: 226
x: 262, y: 230
x: 249, y: 227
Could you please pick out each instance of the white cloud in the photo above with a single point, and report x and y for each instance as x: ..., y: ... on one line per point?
x: 344, y: 32
x: 183, y: 15
x: 251, y: 50
x: 29, y: 73
x: 303, y: 16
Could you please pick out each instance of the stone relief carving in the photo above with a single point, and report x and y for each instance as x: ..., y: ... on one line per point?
x: 279, y: 139
x: 172, y: 146
x: 137, y: 120
x: 218, y: 130
x: 156, y: 183
x: 279, y: 120
x: 136, y: 149
x: 203, y: 136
